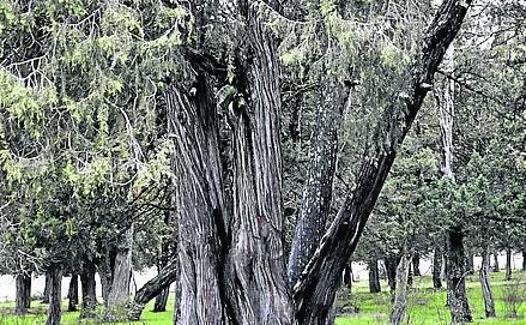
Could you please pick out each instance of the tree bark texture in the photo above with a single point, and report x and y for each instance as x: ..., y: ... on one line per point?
x: 317, y: 193
x: 437, y: 268
x: 73, y: 293
x: 55, y: 299
x: 152, y: 289
x: 89, y: 293
x: 374, y: 277
x: 456, y: 272
x: 119, y: 293
x: 489, y: 303
x: 230, y: 228
x: 23, y: 293
x: 400, y: 297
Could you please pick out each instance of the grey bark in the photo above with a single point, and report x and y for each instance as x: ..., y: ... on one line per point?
x: 88, y: 287
x: 73, y: 292
x: 152, y: 289
x: 437, y: 269
x: 23, y: 293
x: 374, y: 277
x: 54, y: 295
x: 489, y: 303
x: 400, y: 297
x: 456, y: 272
x: 315, y: 291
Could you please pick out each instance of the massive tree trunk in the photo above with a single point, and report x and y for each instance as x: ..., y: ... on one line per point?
x: 508, y: 263
x: 315, y: 291
x: 317, y: 194
x: 73, y: 292
x: 437, y: 268
x: 55, y: 299
x: 374, y: 276
x: 152, y: 289
x: 23, y: 293
x: 119, y: 294
x: 456, y: 272
x: 489, y: 303
x: 400, y: 297
x: 89, y: 293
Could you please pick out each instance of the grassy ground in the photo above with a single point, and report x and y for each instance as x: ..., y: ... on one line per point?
x: 426, y: 306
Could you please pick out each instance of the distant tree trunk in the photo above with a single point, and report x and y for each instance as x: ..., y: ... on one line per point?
x: 23, y: 293
x: 508, y: 263
x: 119, y: 294
x: 89, y: 293
x: 470, y: 267
x: 489, y: 304
x: 348, y: 276
x: 416, y: 265
x: 524, y: 260
x: 400, y: 297
x: 153, y: 288
x: 391, y: 263
x: 73, y: 292
x: 47, y: 285
x: 437, y: 269
x: 496, y: 266
x: 55, y: 299
x: 456, y: 272
x: 374, y: 276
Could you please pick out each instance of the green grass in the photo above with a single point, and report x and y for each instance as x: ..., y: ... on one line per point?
x: 426, y: 306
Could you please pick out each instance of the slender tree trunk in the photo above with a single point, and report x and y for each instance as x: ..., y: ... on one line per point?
x: 524, y: 260
x: 416, y: 265
x: 47, y: 285
x: 470, y: 267
x: 152, y: 289
x: 489, y: 304
x: 73, y: 292
x: 23, y: 293
x: 456, y: 273
x: 374, y: 277
x: 119, y: 294
x: 508, y: 263
x: 437, y: 269
x: 89, y: 293
x: 55, y: 299
x: 105, y: 270
x: 496, y: 266
x: 400, y: 297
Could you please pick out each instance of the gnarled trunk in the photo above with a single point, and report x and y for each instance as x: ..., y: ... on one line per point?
x: 73, y: 292
x: 489, y: 303
x: 23, y: 293
x: 55, y: 299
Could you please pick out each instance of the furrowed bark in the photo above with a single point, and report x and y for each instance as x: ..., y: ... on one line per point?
x: 437, y: 269
x: 457, y: 300
x: 55, y: 299
x: 374, y: 277
x: 73, y: 293
x: 89, y: 295
x: 23, y: 293
x: 317, y: 193
x: 400, y: 297
x: 489, y: 303
x: 152, y: 289
x: 315, y: 291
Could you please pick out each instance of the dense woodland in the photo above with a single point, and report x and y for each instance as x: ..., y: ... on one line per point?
x: 250, y: 150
